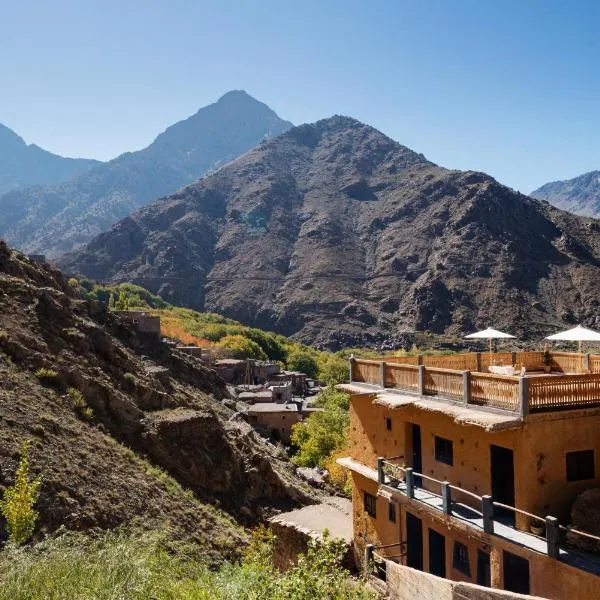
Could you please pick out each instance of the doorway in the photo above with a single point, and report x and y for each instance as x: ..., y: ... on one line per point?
x: 516, y: 573
x: 437, y: 553
x: 483, y: 569
x: 414, y: 542
x: 417, y: 456
x: 503, y: 481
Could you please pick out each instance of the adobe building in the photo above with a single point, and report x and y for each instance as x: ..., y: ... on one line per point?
x: 471, y: 476
x: 145, y: 323
x: 274, y: 420
x: 297, y: 379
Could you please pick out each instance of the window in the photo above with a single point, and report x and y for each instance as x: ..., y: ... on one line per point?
x: 388, y: 423
x: 443, y: 450
x: 371, y: 505
x: 580, y: 465
x: 392, y: 512
x: 460, y: 560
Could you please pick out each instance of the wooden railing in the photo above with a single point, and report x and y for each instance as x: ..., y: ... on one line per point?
x: 443, y: 382
x: 460, y: 362
x: 402, y: 360
x: 367, y: 371
x: 498, y: 391
x: 533, y: 393
x: 532, y: 361
x: 564, y: 392
x: 403, y: 377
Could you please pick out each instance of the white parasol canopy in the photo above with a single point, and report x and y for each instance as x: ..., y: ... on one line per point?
x: 577, y: 334
x: 489, y: 334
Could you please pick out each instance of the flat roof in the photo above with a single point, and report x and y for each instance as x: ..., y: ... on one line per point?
x: 462, y: 414
x: 265, y: 407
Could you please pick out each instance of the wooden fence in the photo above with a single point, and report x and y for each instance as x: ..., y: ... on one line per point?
x: 563, y: 392
x: 404, y: 377
x: 444, y: 382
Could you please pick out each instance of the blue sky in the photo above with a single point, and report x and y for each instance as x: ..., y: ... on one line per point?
x: 504, y: 86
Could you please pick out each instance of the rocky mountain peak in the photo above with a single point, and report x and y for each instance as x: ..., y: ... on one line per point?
x: 580, y: 195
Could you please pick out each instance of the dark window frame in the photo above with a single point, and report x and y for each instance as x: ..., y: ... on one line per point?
x: 444, y: 450
x: 460, y: 558
x: 576, y: 470
x: 391, y: 512
x: 370, y: 504
x: 388, y: 423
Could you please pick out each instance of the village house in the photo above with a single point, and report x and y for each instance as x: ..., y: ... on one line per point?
x: 274, y: 419
x: 145, y: 323
x: 297, y: 379
x: 471, y: 476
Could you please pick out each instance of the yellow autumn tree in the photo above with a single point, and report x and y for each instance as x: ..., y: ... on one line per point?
x: 17, y: 504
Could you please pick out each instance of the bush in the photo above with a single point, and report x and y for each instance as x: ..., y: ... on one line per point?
x: 129, y: 378
x: 304, y: 362
x: 18, y: 501
x: 46, y: 375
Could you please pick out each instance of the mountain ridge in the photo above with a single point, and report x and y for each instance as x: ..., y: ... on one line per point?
x: 55, y: 219
x: 23, y: 164
x: 579, y: 195
x: 336, y: 235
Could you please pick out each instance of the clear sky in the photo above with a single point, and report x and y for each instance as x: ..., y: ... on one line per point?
x: 509, y: 87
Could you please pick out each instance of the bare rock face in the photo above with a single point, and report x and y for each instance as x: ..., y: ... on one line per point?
x: 338, y: 236
x: 585, y: 516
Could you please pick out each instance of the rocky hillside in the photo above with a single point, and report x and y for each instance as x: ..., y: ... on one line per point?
x: 580, y: 195
x: 23, y: 165
x: 158, y: 426
x: 56, y: 219
x: 339, y: 236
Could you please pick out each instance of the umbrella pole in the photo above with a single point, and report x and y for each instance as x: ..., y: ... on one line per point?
x: 490, y: 339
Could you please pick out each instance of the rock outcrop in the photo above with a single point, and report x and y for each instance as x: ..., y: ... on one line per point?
x: 580, y: 195
x: 158, y: 426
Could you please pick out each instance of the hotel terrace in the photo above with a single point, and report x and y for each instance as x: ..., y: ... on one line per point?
x: 471, y: 475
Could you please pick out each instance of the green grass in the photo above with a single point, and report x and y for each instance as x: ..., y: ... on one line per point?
x: 136, y: 566
x: 46, y: 375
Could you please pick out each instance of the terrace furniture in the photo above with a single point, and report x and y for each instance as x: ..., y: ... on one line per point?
x: 501, y: 370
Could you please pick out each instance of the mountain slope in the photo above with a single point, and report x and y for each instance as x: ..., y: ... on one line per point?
x: 23, y: 165
x: 337, y: 235
x: 56, y: 219
x: 153, y: 408
x: 580, y: 195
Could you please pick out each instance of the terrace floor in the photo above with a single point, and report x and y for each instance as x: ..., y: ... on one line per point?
x: 472, y: 414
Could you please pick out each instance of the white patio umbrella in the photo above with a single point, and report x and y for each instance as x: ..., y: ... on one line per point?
x: 578, y: 334
x: 489, y: 334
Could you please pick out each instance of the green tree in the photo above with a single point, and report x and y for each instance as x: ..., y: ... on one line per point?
x: 111, y: 302
x: 239, y: 346
x: 123, y: 303
x: 304, y: 362
x: 17, y: 504
x: 323, y: 432
x: 333, y: 369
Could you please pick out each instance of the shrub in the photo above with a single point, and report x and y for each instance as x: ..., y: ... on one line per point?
x: 333, y: 369
x: 46, y: 375
x: 76, y: 398
x: 18, y: 501
x: 129, y: 378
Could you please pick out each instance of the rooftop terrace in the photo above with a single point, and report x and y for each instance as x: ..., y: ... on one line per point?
x: 573, y: 381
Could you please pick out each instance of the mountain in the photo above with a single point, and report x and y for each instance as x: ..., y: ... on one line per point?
x: 59, y: 218
x: 580, y: 195
x: 338, y: 236
x: 23, y: 165
x: 125, y: 430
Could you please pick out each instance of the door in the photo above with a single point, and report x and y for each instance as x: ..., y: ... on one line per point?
x: 414, y: 542
x: 417, y: 457
x: 503, y: 481
x: 437, y: 553
x: 483, y: 569
x: 516, y: 573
